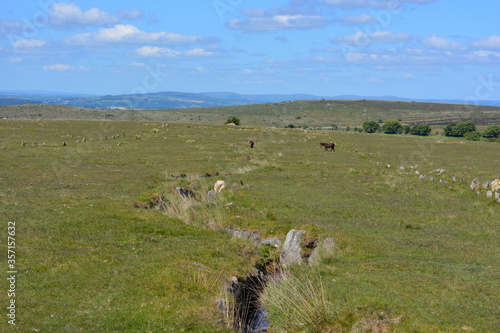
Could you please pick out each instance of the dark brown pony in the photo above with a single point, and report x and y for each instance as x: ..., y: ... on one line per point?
x: 251, y: 143
x: 328, y: 145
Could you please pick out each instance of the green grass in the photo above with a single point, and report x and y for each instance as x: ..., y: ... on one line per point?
x: 89, y: 260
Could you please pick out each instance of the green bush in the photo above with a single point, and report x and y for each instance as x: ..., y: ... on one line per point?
x: 423, y: 130
x: 392, y: 127
x: 459, y: 129
x: 492, y: 131
x: 233, y: 120
x: 371, y: 126
x: 406, y: 129
x: 472, y: 136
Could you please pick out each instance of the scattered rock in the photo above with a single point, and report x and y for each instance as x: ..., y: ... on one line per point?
x: 244, y: 234
x: 327, y: 246
x: 486, y: 184
x: 185, y: 193
x: 402, y: 168
x: 474, y: 184
x: 454, y: 178
x: 489, y: 194
x: 495, y: 185
x: 422, y: 176
x: 431, y: 178
x: 497, y: 196
x: 417, y: 172
x: 463, y: 180
x: 291, y: 251
x: 219, y: 186
x: 272, y: 241
x: 211, y: 195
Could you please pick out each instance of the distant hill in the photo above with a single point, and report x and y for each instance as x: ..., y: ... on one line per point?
x: 181, y: 100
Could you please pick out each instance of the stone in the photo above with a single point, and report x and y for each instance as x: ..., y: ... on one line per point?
x: 489, y: 194
x: 454, y: 178
x: 486, y: 184
x: 291, y: 251
x: 495, y: 185
x: 402, y: 168
x: 211, y: 195
x: 474, y: 184
x: 435, y: 171
x: 184, y: 193
x: 497, y: 196
x: 417, y: 172
x: 219, y: 186
x: 431, y: 178
x: 327, y: 247
x: 463, y: 180
x: 271, y: 241
x: 422, y: 176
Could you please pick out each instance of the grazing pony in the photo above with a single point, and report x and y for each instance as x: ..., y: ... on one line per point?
x: 328, y: 145
x: 251, y: 143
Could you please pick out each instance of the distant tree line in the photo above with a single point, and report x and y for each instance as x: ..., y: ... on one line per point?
x: 395, y: 127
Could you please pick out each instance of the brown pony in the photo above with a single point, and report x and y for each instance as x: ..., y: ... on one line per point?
x: 328, y: 145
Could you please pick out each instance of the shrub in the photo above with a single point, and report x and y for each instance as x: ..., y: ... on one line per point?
x: 492, y: 131
x: 459, y: 129
x: 371, y: 126
x: 423, y: 130
x: 472, y: 136
x: 233, y: 120
x: 392, y: 127
x: 290, y: 126
x: 406, y: 129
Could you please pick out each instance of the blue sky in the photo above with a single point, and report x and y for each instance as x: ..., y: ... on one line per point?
x: 446, y: 49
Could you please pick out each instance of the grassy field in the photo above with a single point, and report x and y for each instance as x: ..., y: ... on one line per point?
x: 311, y: 113
x: 89, y: 260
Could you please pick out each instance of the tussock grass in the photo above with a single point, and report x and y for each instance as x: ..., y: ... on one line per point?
x: 298, y: 302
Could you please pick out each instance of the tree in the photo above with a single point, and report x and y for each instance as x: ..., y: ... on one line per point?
x: 233, y: 120
x: 422, y: 129
x: 392, y: 127
x: 492, y: 131
x: 371, y: 126
x: 472, y: 136
x: 450, y: 129
x: 459, y: 129
x: 465, y: 127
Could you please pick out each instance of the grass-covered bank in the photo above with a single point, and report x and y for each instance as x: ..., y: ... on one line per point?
x: 90, y: 260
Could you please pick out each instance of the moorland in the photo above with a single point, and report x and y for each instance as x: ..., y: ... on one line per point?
x: 96, y: 253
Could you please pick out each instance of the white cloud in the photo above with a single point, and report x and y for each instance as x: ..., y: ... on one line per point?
x: 491, y: 43
x: 438, y: 43
x: 8, y: 27
x: 378, y: 37
x: 129, y: 34
x: 162, y: 52
x: 15, y: 60
x: 63, y: 68
x: 66, y: 15
x: 407, y: 76
x: 358, y: 19
x: 133, y: 14
x: 378, y: 4
x: 278, y: 22
x: 28, y: 43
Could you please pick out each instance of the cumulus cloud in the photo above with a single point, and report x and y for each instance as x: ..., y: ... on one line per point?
x: 378, y: 4
x: 8, y: 27
x: 129, y: 34
x: 163, y: 52
x: 63, y: 68
x: 378, y: 37
x: 28, y: 43
x: 358, y: 19
x: 132, y: 14
x: 438, y: 43
x: 65, y: 15
x: 278, y: 22
x: 491, y: 43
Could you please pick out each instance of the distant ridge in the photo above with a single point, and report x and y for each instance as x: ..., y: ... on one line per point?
x: 181, y: 100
